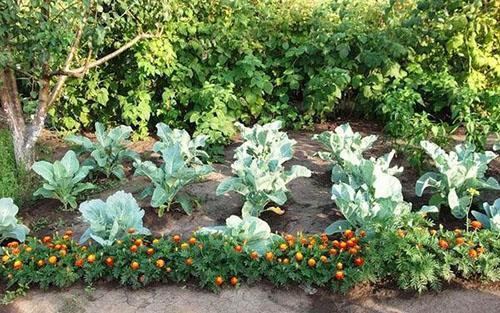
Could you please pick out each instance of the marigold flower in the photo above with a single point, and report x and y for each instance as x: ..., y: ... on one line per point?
x: 473, y: 192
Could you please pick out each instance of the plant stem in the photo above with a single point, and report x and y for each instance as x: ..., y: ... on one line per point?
x: 467, y: 216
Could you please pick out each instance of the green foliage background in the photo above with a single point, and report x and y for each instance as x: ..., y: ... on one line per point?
x: 423, y: 67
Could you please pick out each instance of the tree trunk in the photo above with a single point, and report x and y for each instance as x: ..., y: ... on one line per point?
x: 25, y: 157
x: 11, y: 105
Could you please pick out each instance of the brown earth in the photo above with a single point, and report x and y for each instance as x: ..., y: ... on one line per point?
x: 308, y: 209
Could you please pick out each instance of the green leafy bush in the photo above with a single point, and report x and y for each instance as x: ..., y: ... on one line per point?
x: 9, y: 226
x: 213, y: 113
x: 108, y: 152
x: 63, y: 179
x: 112, y: 220
x: 491, y: 217
x: 461, y: 173
x: 423, y: 67
x: 170, y: 177
x: 260, y: 176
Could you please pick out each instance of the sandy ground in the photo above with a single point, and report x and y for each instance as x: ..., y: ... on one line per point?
x: 248, y: 299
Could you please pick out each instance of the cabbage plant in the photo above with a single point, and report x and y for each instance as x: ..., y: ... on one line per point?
x: 368, y: 193
x: 191, y: 149
x: 458, y: 172
x: 9, y: 226
x: 491, y: 216
x: 260, y: 176
x: 254, y: 232
x: 343, y: 145
x: 169, y: 178
x: 109, y: 221
x: 63, y: 179
x: 108, y: 152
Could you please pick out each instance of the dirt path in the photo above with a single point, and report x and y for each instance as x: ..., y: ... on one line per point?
x: 260, y: 298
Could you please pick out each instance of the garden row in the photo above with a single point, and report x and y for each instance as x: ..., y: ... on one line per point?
x: 366, y: 191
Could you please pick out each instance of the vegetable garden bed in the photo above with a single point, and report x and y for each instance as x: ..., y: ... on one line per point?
x: 416, y: 256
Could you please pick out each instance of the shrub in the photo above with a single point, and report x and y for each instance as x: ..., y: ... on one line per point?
x: 424, y: 67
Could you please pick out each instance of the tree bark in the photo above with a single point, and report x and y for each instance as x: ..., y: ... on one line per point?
x: 11, y: 106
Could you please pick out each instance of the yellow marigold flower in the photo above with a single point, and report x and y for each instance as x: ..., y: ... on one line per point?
x: 473, y: 192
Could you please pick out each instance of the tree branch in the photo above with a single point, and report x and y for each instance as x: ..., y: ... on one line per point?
x: 26, y: 74
x: 47, y: 97
x: 51, y: 96
x: 79, y: 72
x: 67, y: 63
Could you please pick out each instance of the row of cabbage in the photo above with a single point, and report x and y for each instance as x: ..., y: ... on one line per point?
x: 365, y: 190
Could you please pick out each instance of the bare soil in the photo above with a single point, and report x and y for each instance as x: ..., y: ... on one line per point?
x: 308, y: 209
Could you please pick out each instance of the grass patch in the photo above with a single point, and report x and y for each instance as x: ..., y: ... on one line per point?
x: 14, y: 182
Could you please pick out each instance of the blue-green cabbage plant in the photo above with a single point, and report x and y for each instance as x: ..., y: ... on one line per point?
x: 343, y: 145
x: 9, y: 226
x: 191, y: 149
x: 108, y: 152
x: 491, y: 216
x: 255, y: 232
x: 260, y: 176
x: 458, y: 172
x: 367, y: 193
x: 63, y: 179
x: 169, y: 178
x: 109, y: 221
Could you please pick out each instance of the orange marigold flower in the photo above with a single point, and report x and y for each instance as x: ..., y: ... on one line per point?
x: 476, y: 225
